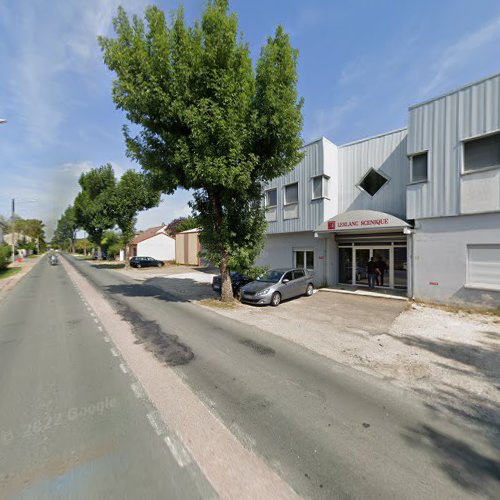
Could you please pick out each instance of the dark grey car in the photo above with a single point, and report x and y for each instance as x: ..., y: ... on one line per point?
x: 277, y: 285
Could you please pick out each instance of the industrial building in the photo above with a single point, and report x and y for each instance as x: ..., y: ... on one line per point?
x: 423, y: 200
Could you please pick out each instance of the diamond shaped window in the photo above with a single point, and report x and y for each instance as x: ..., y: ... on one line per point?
x: 372, y: 182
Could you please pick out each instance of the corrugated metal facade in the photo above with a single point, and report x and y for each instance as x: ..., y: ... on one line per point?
x: 385, y: 154
x: 439, y: 127
x: 310, y: 212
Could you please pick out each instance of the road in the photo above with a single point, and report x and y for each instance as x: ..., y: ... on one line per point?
x: 327, y: 430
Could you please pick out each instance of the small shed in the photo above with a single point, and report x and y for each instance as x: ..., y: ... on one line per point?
x: 187, y: 247
x: 154, y: 242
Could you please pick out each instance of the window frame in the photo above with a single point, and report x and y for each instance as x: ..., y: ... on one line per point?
x: 469, y: 283
x: 285, y: 202
x: 266, y: 198
x: 424, y: 152
x: 467, y: 140
x: 304, y: 251
x: 324, y: 182
x: 380, y: 172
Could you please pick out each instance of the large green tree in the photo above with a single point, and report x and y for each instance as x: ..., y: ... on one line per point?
x: 131, y: 194
x: 208, y: 121
x: 90, y: 204
x: 65, y: 232
x: 105, y: 202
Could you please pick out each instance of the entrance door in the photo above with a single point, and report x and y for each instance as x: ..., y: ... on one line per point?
x: 382, y: 257
x: 362, y: 258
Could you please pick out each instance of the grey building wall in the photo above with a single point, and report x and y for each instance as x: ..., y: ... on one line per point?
x: 279, y: 248
x: 387, y: 154
x: 440, y: 258
x: 439, y: 127
x: 319, y: 159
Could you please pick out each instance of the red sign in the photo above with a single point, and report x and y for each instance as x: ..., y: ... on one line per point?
x: 332, y: 225
x: 435, y: 283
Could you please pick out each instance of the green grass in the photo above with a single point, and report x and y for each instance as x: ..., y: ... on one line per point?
x: 7, y: 273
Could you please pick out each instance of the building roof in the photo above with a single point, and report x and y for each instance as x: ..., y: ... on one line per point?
x: 454, y: 91
x: 195, y: 230
x: 150, y: 233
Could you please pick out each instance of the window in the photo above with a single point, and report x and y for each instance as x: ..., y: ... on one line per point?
x: 320, y: 187
x: 304, y: 259
x: 292, y: 193
x: 372, y: 182
x: 288, y: 276
x: 482, y: 153
x: 298, y: 274
x: 483, y: 266
x: 419, y: 168
x: 271, y: 198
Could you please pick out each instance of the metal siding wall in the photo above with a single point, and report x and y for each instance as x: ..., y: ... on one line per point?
x: 440, y: 126
x: 386, y: 153
x: 311, y: 212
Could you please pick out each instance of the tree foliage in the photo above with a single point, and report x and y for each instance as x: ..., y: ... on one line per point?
x: 207, y: 120
x: 65, y: 232
x: 181, y: 224
x: 105, y: 202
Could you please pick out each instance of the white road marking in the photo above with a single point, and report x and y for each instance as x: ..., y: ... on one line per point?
x: 106, y: 339
x: 154, y: 423
x: 92, y: 314
x: 100, y: 328
x: 114, y: 352
x: 96, y: 320
x: 123, y: 368
x: 136, y: 389
x: 178, y: 451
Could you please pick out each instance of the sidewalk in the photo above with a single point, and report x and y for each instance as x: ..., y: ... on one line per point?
x: 7, y: 284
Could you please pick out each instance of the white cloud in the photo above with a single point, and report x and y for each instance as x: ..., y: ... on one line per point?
x: 52, y: 40
x: 462, y: 53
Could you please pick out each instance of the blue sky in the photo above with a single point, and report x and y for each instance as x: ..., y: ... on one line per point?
x: 361, y: 64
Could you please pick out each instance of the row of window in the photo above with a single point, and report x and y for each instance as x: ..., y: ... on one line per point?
x: 478, y: 154
x: 291, y: 192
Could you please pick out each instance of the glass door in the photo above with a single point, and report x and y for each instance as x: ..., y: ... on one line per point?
x: 362, y: 258
x: 400, y: 268
x: 382, y: 257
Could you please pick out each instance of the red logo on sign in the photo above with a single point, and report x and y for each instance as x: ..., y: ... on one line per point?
x: 331, y: 224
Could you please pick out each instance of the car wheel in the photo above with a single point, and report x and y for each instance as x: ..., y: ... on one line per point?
x: 138, y: 266
x: 276, y: 299
x: 159, y: 264
x: 309, y: 290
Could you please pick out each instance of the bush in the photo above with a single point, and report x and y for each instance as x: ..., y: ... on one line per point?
x: 4, y: 256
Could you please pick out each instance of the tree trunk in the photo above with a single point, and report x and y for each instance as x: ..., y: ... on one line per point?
x: 99, y: 252
x: 226, y: 289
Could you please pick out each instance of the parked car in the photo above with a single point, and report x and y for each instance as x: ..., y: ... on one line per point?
x: 103, y: 256
x: 145, y: 262
x: 277, y: 285
x: 237, y: 280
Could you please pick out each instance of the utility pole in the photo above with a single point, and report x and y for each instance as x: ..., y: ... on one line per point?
x: 13, y: 235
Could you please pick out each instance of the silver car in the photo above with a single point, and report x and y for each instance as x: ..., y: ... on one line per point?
x: 277, y: 285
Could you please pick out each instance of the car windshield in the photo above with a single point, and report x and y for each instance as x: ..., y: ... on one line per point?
x: 271, y: 276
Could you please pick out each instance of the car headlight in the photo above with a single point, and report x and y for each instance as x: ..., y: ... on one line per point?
x: 263, y: 292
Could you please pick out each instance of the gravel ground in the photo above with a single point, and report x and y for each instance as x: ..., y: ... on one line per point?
x: 450, y: 359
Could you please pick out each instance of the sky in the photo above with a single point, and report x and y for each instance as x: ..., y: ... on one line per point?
x: 361, y: 64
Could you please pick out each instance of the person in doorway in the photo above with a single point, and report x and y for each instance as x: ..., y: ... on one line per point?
x: 371, y: 268
x: 381, y: 269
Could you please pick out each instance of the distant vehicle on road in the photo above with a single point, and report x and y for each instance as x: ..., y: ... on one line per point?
x: 103, y: 256
x: 139, y: 262
x: 237, y: 280
x: 277, y: 285
x: 53, y: 260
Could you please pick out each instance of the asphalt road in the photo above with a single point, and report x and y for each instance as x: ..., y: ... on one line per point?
x: 70, y: 425
x: 329, y: 431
